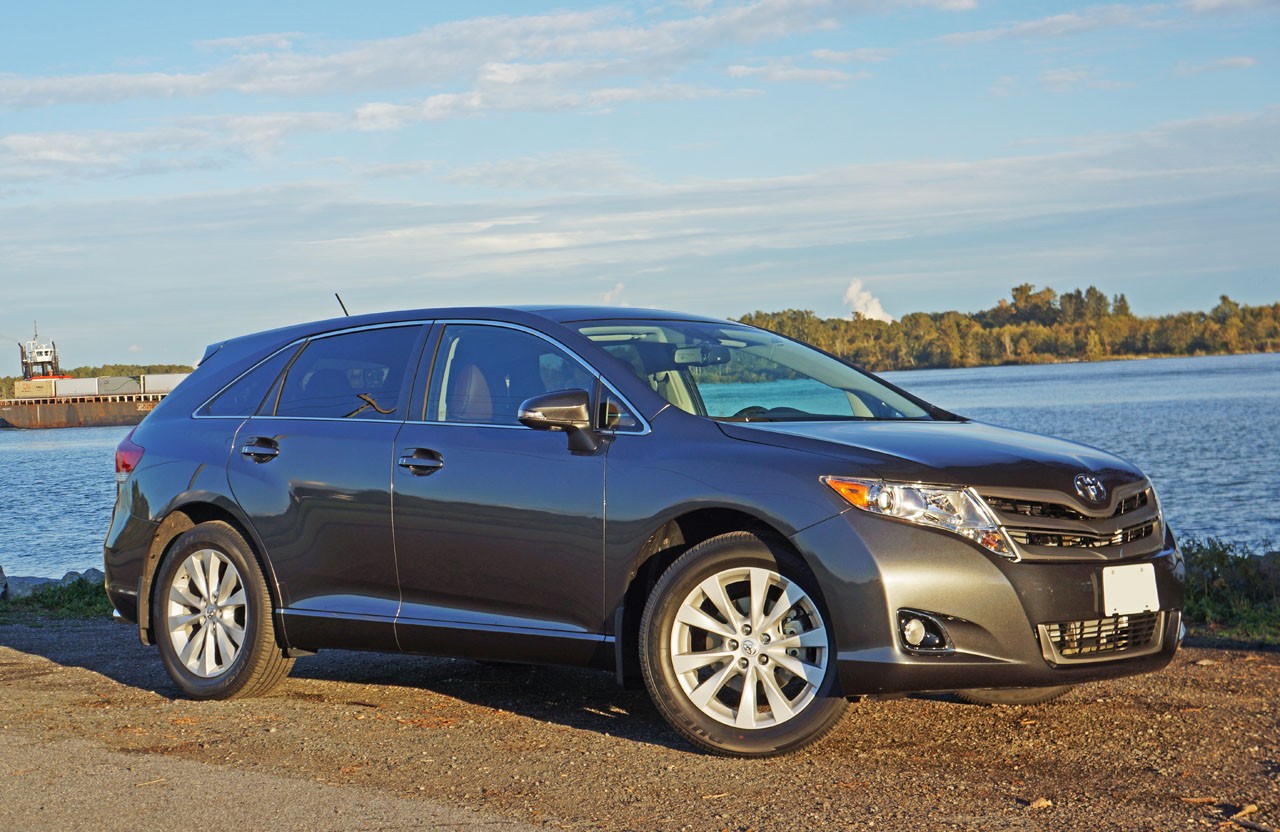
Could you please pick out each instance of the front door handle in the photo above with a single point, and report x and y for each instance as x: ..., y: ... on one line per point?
x: 261, y: 449
x: 421, y: 461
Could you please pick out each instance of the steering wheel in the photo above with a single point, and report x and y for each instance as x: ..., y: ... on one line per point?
x: 751, y: 410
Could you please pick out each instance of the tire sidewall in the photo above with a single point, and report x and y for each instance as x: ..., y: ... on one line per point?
x: 223, y: 539
x: 707, y: 559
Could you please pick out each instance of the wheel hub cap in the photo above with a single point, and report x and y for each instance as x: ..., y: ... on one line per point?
x: 206, y: 613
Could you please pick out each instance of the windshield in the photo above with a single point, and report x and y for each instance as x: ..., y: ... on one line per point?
x: 739, y: 373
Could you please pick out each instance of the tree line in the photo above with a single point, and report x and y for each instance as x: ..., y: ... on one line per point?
x: 1031, y: 326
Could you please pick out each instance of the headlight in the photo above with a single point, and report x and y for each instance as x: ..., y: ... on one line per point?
x: 957, y: 510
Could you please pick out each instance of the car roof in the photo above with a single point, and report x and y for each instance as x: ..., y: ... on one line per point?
x: 565, y: 314
x: 513, y: 314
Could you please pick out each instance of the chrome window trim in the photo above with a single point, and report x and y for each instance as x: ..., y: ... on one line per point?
x: 195, y: 414
x: 592, y: 371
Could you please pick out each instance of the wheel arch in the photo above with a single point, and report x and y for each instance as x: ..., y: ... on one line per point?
x: 181, y: 518
x: 663, y: 546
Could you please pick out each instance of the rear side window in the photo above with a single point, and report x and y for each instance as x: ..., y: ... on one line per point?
x: 355, y: 375
x: 246, y: 393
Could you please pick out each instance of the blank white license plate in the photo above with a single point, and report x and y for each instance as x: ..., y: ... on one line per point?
x: 1129, y: 589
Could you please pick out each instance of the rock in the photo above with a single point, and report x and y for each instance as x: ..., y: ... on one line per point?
x: 4, y: 586
x: 1205, y: 663
x: 1040, y: 803
x: 93, y: 576
x: 22, y: 587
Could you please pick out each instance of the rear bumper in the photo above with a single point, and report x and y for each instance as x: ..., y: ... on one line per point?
x: 994, y: 611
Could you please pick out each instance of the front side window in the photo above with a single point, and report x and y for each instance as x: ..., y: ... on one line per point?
x: 354, y: 375
x: 483, y: 373
x: 734, y: 372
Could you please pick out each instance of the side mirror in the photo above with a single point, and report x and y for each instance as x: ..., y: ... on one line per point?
x: 566, y: 410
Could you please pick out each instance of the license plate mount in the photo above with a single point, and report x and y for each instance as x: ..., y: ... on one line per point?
x: 1129, y: 589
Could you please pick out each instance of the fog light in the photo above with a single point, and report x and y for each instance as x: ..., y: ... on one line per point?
x: 914, y: 632
x: 922, y: 632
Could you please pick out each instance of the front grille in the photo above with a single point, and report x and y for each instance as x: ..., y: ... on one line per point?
x: 1057, y: 511
x: 1117, y: 637
x: 1042, y: 528
x: 1080, y: 540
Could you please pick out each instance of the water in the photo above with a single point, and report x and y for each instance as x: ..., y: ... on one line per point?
x: 59, y: 487
x: 1206, y: 430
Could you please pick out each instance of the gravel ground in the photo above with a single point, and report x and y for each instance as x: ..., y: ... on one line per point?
x: 460, y: 744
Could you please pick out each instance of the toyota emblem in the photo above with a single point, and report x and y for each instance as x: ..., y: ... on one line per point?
x: 1091, y: 488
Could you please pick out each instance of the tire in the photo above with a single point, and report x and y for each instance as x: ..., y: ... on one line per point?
x: 219, y: 645
x: 699, y: 665
x: 1012, y: 696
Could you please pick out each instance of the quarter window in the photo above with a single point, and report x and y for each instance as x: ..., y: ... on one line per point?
x: 246, y: 393
x: 355, y: 375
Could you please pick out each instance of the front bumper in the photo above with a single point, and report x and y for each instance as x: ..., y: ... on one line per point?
x: 1008, y: 624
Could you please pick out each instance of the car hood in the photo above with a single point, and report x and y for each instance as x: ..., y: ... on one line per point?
x: 960, y: 452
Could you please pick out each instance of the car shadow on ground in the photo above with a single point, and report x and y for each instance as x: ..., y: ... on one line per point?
x: 580, y: 698
x: 584, y: 699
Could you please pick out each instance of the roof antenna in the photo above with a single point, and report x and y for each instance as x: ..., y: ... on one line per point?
x: 343, y: 305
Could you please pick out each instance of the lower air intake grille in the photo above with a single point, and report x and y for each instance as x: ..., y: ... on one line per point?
x: 1118, y: 637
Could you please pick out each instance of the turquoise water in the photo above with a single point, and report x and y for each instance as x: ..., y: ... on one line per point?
x: 1206, y: 430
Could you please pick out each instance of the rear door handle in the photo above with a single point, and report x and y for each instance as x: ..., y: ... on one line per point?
x: 261, y: 449
x: 421, y: 461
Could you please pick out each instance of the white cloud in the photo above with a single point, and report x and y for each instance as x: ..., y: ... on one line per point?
x: 863, y: 303
x: 1240, y: 62
x: 784, y: 71
x: 397, y: 170
x: 187, y: 144
x: 1065, y: 80
x: 851, y: 55
x: 550, y: 47
x: 613, y: 297
x: 272, y: 40
x: 586, y: 171
x: 1089, y: 19
x: 1215, y: 6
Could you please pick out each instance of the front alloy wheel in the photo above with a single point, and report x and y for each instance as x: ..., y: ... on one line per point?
x: 735, y: 649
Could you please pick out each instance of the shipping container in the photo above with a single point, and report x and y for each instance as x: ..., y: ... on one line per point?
x: 118, y: 385
x: 36, y: 388
x: 162, y: 382
x: 75, y: 387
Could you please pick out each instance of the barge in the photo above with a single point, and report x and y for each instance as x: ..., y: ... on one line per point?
x: 45, y: 397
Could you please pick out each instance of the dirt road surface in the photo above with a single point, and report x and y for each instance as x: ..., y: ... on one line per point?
x: 93, y: 736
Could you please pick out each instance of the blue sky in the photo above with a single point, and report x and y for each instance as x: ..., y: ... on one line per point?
x: 171, y: 176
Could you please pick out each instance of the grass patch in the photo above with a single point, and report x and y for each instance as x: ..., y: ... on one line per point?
x: 78, y: 599
x: 1233, y: 592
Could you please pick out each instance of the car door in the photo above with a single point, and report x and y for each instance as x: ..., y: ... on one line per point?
x: 312, y: 472
x: 498, y: 527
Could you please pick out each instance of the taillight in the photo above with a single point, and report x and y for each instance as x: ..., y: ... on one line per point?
x: 128, y: 455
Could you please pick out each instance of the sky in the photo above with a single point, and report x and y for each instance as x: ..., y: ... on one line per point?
x: 172, y: 175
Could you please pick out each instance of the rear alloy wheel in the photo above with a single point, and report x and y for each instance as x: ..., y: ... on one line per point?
x: 213, y: 617
x: 1012, y: 696
x: 736, y: 650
